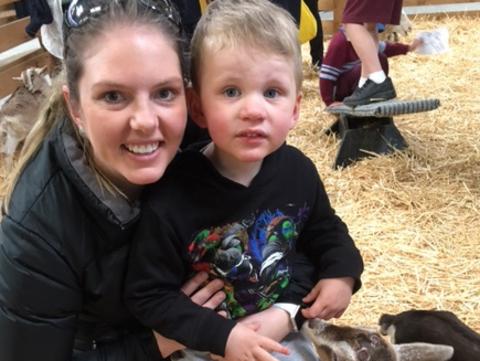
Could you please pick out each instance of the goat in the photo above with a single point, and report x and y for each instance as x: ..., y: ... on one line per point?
x: 393, y: 32
x: 433, y: 326
x: 343, y: 343
x: 21, y: 110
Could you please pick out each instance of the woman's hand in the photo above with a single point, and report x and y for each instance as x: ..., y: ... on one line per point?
x: 209, y: 295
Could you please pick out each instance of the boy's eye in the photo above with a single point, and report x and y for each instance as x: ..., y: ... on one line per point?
x: 113, y: 97
x: 165, y: 94
x: 271, y: 93
x: 231, y: 92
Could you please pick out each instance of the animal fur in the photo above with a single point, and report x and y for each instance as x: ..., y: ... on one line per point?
x: 440, y: 327
x: 343, y: 343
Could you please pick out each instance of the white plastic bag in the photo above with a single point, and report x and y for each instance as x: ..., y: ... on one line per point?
x: 434, y: 42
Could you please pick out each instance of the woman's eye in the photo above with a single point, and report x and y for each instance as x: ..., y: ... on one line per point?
x: 113, y: 97
x: 271, y: 93
x: 165, y: 94
x: 231, y: 92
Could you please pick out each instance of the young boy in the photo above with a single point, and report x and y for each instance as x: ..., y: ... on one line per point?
x: 246, y: 207
x: 341, y: 70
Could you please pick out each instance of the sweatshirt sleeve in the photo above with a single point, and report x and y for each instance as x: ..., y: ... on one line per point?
x: 334, y: 59
x: 394, y: 49
x: 326, y: 241
x: 153, y: 290
x: 326, y: 90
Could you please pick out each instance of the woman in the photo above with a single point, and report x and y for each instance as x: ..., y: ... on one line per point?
x: 72, y: 203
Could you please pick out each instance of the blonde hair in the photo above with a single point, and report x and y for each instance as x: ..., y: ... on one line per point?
x: 256, y: 23
x: 76, y: 42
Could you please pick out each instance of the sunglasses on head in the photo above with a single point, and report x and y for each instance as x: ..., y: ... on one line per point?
x: 80, y: 12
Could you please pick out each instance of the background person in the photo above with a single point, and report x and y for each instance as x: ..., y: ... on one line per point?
x: 341, y: 69
x: 316, y: 44
x: 360, y: 18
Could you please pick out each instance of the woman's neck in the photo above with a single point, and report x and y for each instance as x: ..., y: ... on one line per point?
x: 233, y: 169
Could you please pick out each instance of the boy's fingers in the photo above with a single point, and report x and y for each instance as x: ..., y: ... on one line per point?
x: 263, y: 355
x: 312, y: 295
x: 314, y: 310
x: 309, y: 298
x: 273, y: 346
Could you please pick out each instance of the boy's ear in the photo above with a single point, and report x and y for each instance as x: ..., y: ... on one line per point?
x: 296, y: 111
x: 195, y: 107
x: 73, y: 107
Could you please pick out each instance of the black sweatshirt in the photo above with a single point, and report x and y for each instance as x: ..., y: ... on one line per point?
x: 270, y: 242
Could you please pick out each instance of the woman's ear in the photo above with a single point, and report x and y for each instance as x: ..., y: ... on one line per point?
x: 195, y: 107
x: 73, y: 107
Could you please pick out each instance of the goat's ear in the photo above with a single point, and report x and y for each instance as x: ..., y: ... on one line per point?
x: 73, y: 106
x: 419, y: 351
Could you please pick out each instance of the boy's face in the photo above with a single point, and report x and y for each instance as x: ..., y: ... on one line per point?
x: 249, y: 101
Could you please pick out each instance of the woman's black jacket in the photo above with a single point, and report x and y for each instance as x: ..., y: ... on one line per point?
x: 63, y: 252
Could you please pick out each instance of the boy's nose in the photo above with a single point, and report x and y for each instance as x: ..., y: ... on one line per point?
x: 253, y: 108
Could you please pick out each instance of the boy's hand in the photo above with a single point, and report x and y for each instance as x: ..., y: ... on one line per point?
x: 272, y: 322
x: 244, y: 344
x: 330, y: 298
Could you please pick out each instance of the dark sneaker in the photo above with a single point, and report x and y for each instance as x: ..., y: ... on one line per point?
x: 371, y: 92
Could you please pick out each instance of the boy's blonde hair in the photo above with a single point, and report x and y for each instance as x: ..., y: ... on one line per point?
x: 259, y: 24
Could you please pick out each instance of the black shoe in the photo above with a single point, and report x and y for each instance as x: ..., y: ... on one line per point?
x: 371, y: 92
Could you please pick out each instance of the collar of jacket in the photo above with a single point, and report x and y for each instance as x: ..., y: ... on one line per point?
x: 72, y: 159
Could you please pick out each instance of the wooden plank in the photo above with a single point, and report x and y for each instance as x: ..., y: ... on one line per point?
x: 39, y: 58
x: 327, y: 27
x: 338, y: 12
x: 7, y: 16
x: 13, y: 34
x: 326, y: 5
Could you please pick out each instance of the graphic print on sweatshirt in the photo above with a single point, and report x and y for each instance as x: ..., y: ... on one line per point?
x: 251, y: 256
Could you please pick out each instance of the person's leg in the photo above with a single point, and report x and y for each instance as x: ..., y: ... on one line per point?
x: 359, y: 18
x: 374, y: 86
x: 365, y: 47
x: 316, y: 44
x: 347, y: 83
x: 384, y: 63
